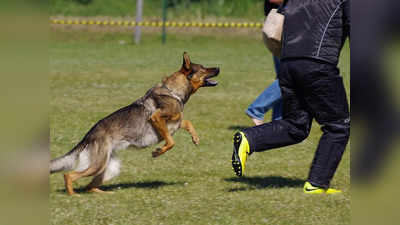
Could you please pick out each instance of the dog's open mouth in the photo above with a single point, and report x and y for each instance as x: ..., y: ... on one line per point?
x: 210, y: 83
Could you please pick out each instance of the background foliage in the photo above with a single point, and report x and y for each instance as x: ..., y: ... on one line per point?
x: 177, y: 9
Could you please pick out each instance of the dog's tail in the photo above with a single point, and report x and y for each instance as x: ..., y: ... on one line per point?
x: 67, y: 161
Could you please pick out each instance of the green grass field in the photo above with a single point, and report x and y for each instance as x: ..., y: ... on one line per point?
x: 93, y: 74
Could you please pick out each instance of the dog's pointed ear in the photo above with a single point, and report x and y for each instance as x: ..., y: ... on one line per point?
x: 186, y: 61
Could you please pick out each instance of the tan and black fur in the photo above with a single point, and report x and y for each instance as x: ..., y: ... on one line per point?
x: 147, y: 121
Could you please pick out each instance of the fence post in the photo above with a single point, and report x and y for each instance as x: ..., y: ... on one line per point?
x: 139, y: 10
x: 164, y: 18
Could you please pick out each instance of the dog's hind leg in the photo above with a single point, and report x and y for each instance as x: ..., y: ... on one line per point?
x: 74, y: 175
x: 158, y: 120
x: 111, y: 170
x: 188, y: 126
x: 100, y: 155
x: 96, y: 182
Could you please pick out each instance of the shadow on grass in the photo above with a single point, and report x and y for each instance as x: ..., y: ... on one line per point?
x: 111, y: 187
x: 265, y: 182
x: 237, y: 127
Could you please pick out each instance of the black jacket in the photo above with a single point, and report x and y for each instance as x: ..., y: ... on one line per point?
x: 315, y: 29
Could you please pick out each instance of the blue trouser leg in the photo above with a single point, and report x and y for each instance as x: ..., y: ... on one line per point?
x: 277, y: 64
x: 277, y: 110
x: 270, y: 97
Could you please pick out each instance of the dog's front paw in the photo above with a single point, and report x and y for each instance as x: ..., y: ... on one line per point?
x: 156, y: 153
x: 196, y: 140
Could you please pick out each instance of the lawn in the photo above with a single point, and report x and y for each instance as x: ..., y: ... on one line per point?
x: 95, y: 73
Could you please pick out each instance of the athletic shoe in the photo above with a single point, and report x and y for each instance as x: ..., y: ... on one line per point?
x: 241, y: 150
x: 310, y: 189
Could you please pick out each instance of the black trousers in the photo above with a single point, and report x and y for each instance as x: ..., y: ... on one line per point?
x: 310, y: 89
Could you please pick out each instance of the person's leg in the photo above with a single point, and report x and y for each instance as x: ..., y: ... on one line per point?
x: 277, y: 64
x: 265, y: 101
x: 329, y: 152
x: 293, y: 128
x: 270, y: 97
x: 325, y: 96
x: 277, y: 110
x: 277, y: 107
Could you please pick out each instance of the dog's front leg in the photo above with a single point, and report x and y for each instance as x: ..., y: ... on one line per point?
x: 158, y: 120
x: 188, y: 126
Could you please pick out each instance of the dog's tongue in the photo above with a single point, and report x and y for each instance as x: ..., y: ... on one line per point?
x: 210, y: 82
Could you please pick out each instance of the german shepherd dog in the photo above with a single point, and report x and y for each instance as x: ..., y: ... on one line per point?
x: 147, y: 121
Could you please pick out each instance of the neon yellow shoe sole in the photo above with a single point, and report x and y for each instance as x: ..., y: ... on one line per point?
x: 310, y: 189
x: 241, y: 150
x: 331, y: 191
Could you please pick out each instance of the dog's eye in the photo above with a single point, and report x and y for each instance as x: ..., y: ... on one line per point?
x: 190, y: 75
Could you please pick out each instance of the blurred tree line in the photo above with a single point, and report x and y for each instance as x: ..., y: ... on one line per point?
x: 177, y: 9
